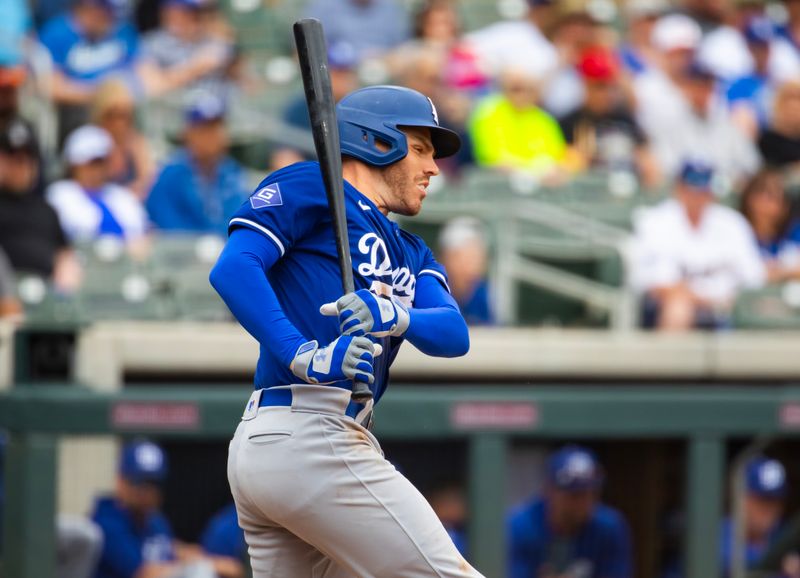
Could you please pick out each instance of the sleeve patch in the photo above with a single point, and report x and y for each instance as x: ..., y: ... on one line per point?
x: 268, y: 196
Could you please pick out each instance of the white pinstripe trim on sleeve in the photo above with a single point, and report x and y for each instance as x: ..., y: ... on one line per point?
x: 438, y: 275
x: 263, y: 229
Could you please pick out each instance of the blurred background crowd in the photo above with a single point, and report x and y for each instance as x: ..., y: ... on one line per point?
x: 626, y: 164
x: 125, y: 121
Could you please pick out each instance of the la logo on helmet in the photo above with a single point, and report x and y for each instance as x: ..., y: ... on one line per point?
x: 433, y: 111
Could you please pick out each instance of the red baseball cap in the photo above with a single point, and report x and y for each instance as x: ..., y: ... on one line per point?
x: 598, y: 63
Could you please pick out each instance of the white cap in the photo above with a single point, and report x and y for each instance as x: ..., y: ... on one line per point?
x: 675, y: 32
x: 461, y: 231
x: 635, y: 9
x: 86, y: 144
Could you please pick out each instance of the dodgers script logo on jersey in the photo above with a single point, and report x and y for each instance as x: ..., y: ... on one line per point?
x: 398, y: 282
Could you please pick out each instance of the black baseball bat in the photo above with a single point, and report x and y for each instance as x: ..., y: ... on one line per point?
x: 310, y: 41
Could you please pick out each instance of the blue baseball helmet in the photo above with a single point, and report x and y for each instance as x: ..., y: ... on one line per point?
x: 378, y: 112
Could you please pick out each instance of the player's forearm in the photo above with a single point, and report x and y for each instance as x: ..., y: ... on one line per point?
x: 239, y: 277
x: 438, y: 331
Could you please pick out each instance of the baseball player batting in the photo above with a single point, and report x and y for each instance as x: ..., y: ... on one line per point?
x: 313, y: 492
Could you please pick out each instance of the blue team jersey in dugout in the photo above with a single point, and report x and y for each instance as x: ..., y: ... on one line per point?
x: 128, y: 544
x: 602, y: 549
x: 290, y: 207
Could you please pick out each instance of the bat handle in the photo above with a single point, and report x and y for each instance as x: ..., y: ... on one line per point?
x: 361, y: 392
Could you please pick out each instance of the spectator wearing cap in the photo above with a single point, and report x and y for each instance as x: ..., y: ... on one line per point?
x: 692, y: 256
x: 702, y: 126
x: 567, y: 531
x: 603, y: 133
x: 87, y: 203
x: 637, y: 52
x: 779, y: 141
x: 130, y: 162
x: 675, y: 37
x: 185, y: 53
x: 501, y: 43
x: 200, y: 187
x: 87, y: 44
x: 30, y: 232
x: 223, y: 539
x: 764, y: 502
x: 463, y: 251
x: 373, y: 27
x: 138, y: 539
x: 510, y: 132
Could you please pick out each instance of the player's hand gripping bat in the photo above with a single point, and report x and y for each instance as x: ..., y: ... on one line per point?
x: 310, y: 41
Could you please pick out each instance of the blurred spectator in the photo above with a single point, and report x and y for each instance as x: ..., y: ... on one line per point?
x: 637, y: 51
x: 342, y: 64
x: 603, y: 133
x: 223, y: 539
x: 675, y: 37
x: 138, y: 539
x: 764, y: 502
x: 504, y: 43
x: 750, y: 94
x: 567, y: 532
x: 30, y: 233
x: 373, y: 27
x: 789, y: 34
x: 726, y: 51
x: 463, y: 253
x: 437, y: 31
x: 450, y: 505
x: 423, y: 72
x: 87, y: 203
x: 12, y: 76
x: 201, y: 186
x: 574, y: 30
x: 509, y: 131
x: 767, y: 208
x: 9, y: 305
x: 692, y: 256
x: 779, y: 142
x: 709, y: 14
x: 79, y: 543
x: 130, y: 162
x: 702, y: 126
x: 88, y: 44
x: 185, y: 51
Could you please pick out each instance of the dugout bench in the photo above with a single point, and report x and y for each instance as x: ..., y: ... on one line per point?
x: 488, y: 417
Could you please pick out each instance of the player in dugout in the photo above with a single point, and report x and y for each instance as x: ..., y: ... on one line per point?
x: 314, y: 494
x: 566, y: 533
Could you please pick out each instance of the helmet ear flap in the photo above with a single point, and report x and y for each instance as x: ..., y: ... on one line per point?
x: 379, y: 145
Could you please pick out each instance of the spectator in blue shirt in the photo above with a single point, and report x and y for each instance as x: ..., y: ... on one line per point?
x: 463, y: 252
x: 766, y: 488
x: 137, y: 537
x: 567, y: 532
x: 87, y: 45
x: 224, y: 540
x: 750, y: 97
x: 201, y: 186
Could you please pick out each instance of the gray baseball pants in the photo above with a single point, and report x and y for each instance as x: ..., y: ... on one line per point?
x: 317, y: 499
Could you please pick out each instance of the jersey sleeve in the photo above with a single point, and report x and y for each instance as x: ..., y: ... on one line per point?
x: 426, y: 263
x: 284, y: 207
x: 616, y: 561
x: 121, y: 551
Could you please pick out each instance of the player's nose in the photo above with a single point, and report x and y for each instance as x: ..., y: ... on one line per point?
x: 431, y: 168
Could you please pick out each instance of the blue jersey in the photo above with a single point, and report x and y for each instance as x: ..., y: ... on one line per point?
x: 84, y: 59
x: 127, y: 545
x: 753, y: 552
x: 291, y: 209
x: 183, y: 199
x: 601, y: 549
x: 223, y: 536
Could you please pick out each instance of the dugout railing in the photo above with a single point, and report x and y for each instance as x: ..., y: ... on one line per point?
x: 488, y: 417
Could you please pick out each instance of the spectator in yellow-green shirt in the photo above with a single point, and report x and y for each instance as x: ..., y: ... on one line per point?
x: 509, y: 131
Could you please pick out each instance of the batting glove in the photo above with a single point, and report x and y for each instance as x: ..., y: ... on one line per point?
x: 364, y: 312
x: 347, y: 357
